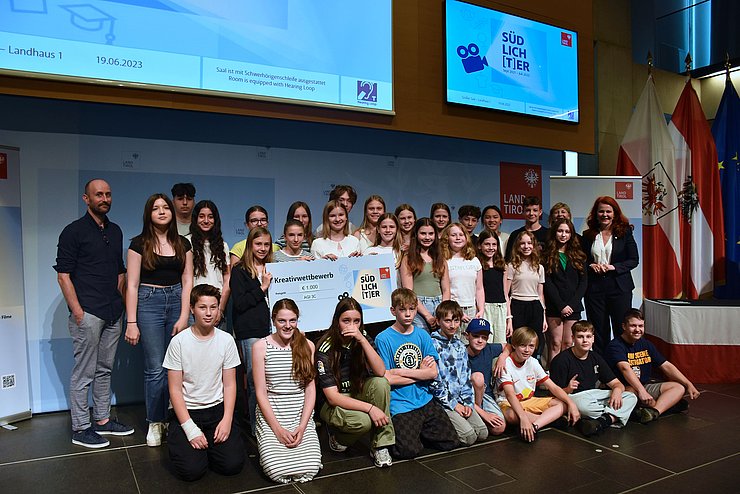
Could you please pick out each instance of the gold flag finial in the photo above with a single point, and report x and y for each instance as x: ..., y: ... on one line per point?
x: 727, y: 66
x: 650, y: 63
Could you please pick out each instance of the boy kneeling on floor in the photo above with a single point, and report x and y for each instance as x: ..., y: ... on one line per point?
x: 580, y: 372
x: 515, y: 391
x: 201, y: 365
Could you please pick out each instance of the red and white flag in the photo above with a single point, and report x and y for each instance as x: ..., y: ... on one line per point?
x: 700, y: 197
x: 647, y: 150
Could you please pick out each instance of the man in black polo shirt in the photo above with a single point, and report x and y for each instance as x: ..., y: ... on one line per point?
x: 90, y: 273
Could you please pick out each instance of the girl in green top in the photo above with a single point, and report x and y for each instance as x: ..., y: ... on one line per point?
x: 424, y: 271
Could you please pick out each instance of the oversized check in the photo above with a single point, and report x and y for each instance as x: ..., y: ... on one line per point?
x: 317, y: 287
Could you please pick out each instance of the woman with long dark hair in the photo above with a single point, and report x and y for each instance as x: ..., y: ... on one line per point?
x: 612, y: 254
x: 355, y: 397
x: 565, y: 284
x: 210, y: 263
x: 299, y: 211
x: 159, y: 279
x: 491, y: 257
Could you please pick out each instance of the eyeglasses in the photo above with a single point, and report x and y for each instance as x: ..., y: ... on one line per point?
x: 258, y: 221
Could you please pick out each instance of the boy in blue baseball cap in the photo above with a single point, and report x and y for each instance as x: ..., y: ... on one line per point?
x: 481, y: 356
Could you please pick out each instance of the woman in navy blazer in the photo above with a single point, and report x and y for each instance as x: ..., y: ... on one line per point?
x: 612, y: 254
x: 565, y: 284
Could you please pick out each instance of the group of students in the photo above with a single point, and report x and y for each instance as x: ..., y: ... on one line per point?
x: 413, y: 389
x: 408, y: 388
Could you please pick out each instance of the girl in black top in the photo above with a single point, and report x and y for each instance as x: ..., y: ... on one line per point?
x: 565, y: 284
x: 355, y: 395
x: 160, y: 275
x: 492, y: 259
x: 250, y: 312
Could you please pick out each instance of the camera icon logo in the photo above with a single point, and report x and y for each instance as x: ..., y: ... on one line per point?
x: 367, y: 91
x: 471, y: 60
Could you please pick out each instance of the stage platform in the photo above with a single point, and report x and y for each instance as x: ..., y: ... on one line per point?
x: 690, y: 452
x: 702, y: 338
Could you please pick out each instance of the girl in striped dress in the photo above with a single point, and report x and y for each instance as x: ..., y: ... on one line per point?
x: 283, y: 369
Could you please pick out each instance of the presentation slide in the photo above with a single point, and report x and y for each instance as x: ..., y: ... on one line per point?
x: 330, y: 52
x: 505, y: 62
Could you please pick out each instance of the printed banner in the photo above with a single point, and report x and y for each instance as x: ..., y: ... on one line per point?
x: 15, y: 400
x: 317, y: 286
x: 580, y: 193
x: 518, y: 181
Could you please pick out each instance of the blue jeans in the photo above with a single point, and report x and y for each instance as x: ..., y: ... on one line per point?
x: 157, y: 312
x: 245, y: 346
x: 430, y: 303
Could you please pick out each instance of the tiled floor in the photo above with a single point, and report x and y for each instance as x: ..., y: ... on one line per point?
x: 699, y: 451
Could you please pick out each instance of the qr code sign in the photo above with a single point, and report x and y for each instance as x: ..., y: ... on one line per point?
x: 9, y: 381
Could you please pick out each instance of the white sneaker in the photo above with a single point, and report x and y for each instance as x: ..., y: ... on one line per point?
x: 154, y: 435
x: 381, y: 457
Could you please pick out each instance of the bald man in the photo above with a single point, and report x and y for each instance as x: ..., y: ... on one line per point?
x: 90, y: 273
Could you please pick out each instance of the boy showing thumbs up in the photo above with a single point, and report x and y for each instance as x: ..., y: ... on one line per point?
x: 582, y: 373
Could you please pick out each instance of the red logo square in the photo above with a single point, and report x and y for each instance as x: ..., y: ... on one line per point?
x: 385, y: 273
x: 566, y: 39
x: 3, y: 166
x: 518, y: 181
x: 623, y: 190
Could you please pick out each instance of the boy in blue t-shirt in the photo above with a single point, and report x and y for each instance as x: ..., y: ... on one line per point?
x: 411, y: 367
x: 480, y: 357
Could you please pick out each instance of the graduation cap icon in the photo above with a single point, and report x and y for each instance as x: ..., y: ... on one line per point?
x: 90, y: 18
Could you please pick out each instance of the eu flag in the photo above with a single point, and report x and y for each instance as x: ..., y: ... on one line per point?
x: 726, y: 132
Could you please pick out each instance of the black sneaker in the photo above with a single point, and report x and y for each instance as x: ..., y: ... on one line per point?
x: 560, y: 424
x: 648, y: 414
x: 588, y: 427
x: 89, y: 439
x: 681, y: 406
x: 113, y: 428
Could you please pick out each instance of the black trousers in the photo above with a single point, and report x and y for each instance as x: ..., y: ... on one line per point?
x: 426, y: 426
x: 531, y: 314
x: 605, y: 309
x: 226, y: 458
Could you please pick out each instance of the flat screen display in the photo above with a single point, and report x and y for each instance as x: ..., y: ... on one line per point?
x: 325, y: 52
x: 504, y: 62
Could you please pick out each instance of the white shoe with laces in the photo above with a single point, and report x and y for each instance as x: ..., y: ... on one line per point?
x: 155, y: 433
x: 381, y: 457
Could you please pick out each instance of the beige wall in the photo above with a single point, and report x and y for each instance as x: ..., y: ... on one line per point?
x: 620, y: 81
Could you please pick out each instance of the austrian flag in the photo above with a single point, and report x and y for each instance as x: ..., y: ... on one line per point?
x: 702, y: 227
